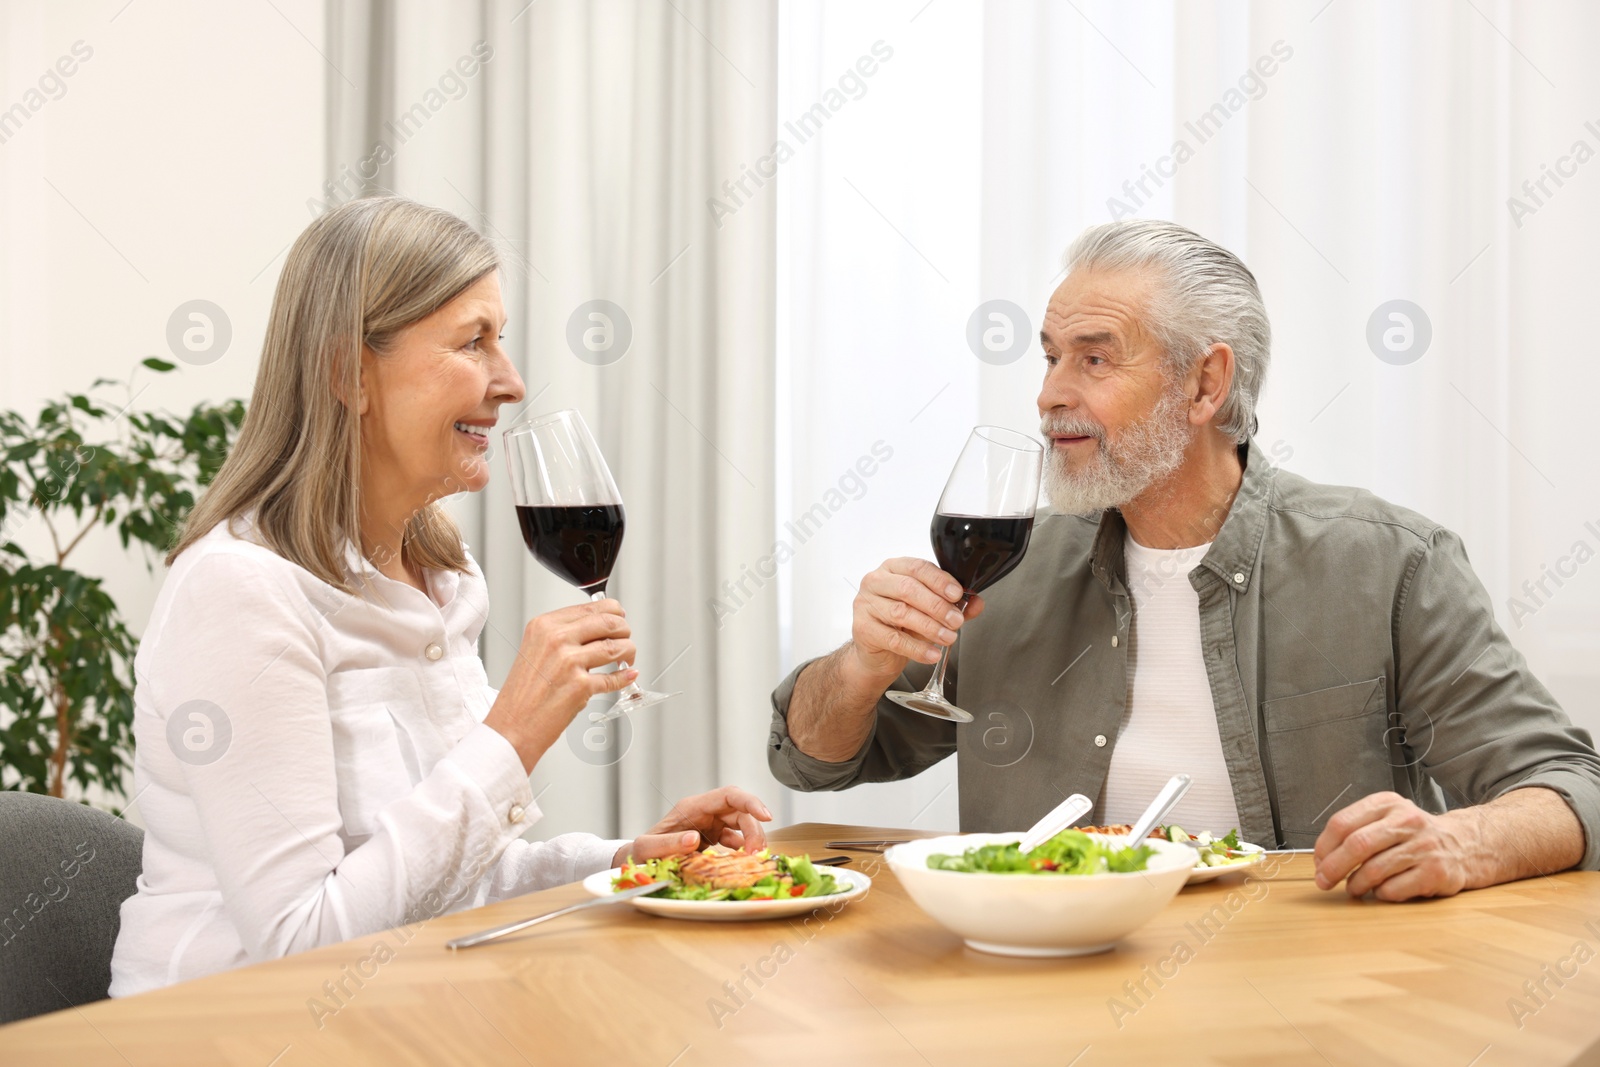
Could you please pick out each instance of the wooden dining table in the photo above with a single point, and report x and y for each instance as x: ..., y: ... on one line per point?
x: 1256, y: 968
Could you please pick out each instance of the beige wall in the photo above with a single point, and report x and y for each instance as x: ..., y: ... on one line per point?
x: 174, y: 166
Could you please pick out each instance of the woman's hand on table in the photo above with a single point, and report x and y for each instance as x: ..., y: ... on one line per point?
x: 550, y: 680
x: 728, y: 816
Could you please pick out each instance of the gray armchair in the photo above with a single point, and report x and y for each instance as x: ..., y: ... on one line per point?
x: 65, y: 870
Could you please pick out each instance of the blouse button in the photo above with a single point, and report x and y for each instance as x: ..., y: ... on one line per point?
x: 516, y: 813
x: 1113, y: 640
x: 433, y: 651
x: 1238, y: 578
x: 1099, y: 740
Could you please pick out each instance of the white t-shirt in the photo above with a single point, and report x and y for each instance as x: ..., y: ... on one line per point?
x: 313, y: 767
x: 1170, y: 724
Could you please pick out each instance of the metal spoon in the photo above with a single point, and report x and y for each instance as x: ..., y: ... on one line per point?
x: 1164, y: 802
x: 1059, y: 818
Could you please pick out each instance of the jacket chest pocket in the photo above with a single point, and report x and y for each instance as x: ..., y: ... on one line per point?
x: 1327, y: 749
x: 375, y: 757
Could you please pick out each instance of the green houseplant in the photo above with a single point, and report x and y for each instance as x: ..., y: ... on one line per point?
x: 66, y: 698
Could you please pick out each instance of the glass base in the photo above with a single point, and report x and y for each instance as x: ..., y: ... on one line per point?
x: 634, y: 701
x: 930, y: 704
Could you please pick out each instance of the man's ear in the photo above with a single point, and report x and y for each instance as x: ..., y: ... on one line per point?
x: 1209, y: 383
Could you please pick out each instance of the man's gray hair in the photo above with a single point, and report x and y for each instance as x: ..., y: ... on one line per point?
x: 1205, y: 294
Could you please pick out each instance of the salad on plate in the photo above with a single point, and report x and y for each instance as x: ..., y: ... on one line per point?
x: 721, y: 873
x: 1211, y: 851
x: 1214, y: 856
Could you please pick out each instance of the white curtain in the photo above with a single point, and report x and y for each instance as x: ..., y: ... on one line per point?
x: 1352, y: 153
x: 588, y: 139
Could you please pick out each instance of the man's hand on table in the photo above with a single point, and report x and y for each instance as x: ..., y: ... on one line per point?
x: 728, y: 816
x: 1385, y: 845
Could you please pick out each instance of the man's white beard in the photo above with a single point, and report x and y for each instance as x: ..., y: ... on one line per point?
x: 1146, y: 453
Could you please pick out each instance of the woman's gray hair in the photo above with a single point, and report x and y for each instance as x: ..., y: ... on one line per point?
x: 356, y: 279
x: 1205, y: 295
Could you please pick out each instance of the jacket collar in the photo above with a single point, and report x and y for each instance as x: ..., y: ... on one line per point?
x: 356, y: 564
x: 1235, y: 549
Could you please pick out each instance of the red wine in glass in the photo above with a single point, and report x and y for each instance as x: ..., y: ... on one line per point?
x: 570, y: 514
x: 980, y: 531
x: 578, y: 542
x: 979, y: 550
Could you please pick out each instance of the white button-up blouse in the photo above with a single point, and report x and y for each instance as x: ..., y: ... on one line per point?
x: 313, y: 767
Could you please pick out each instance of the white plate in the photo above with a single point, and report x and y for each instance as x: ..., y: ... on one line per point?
x: 1206, y: 874
x: 735, y: 910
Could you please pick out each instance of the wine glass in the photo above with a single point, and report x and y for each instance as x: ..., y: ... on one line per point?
x: 980, y: 531
x: 571, y: 514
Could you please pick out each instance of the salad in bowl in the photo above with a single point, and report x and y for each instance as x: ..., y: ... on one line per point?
x: 1076, y: 894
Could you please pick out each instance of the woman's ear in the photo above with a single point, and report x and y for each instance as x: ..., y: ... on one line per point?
x: 366, y: 371
x: 365, y: 376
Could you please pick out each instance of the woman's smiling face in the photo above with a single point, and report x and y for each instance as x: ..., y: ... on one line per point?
x: 428, y: 405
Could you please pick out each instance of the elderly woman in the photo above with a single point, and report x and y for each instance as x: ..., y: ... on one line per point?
x: 320, y: 755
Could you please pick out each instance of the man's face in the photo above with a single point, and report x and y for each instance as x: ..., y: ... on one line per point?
x: 1116, y: 422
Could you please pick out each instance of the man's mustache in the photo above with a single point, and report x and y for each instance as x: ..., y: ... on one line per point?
x: 1072, y: 426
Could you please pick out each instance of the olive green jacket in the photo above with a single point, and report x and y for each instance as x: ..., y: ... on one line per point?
x: 1349, y: 646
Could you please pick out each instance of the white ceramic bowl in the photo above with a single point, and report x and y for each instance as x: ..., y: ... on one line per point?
x: 1038, y: 914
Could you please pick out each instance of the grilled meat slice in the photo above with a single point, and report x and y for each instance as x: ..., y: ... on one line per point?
x: 722, y: 868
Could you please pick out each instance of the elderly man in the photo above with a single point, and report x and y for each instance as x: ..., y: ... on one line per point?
x: 1324, y: 664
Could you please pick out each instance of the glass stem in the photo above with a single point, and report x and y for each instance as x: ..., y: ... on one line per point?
x: 600, y: 594
x: 935, y: 686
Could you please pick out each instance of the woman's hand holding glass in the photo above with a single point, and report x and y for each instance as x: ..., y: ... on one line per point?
x: 550, y: 680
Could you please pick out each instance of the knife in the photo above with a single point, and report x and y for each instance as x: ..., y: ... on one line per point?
x: 866, y: 846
